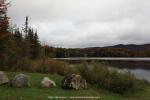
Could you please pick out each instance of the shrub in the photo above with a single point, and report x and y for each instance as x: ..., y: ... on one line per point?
x: 42, y: 66
x: 50, y: 66
x: 99, y: 75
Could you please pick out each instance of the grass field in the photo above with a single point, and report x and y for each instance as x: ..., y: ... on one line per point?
x: 35, y: 92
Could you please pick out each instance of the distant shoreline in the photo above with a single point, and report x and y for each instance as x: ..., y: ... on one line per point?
x: 107, y: 58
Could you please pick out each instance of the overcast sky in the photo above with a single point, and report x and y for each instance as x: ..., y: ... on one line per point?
x: 85, y: 23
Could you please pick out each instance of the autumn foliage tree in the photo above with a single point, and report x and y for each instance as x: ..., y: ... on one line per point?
x: 4, y: 23
x: 5, y: 35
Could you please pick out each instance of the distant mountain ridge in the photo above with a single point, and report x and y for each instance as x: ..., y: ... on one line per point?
x: 133, y: 47
x: 120, y: 50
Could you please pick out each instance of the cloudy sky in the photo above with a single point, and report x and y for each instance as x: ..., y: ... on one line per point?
x: 85, y: 23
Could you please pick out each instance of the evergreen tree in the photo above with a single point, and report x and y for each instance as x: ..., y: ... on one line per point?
x: 18, y: 37
x: 37, y: 46
x: 26, y: 25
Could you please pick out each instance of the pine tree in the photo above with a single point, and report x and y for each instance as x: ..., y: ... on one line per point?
x: 37, y: 46
x: 18, y: 50
x: 26, y: 25
x: 26, y: 44
x: 18, y: 37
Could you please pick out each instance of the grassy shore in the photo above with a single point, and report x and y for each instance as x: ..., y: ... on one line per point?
x: 35, y: 92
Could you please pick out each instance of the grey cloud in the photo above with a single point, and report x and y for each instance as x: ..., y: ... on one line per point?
x: 83, y: 23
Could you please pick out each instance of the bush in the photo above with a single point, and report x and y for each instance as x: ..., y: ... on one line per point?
x: 50, y: 66
x: 42, y: 66
x: 101, y: 76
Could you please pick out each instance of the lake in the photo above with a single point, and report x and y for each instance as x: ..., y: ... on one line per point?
x: 139, y: 67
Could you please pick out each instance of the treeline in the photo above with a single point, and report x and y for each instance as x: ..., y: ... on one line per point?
x: 17, y: 46
x: 94, y: 52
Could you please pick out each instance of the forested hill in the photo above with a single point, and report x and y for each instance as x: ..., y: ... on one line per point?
x: 132, y: 47
x: 110, y: 51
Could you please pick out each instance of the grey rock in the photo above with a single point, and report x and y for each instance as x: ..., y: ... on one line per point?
x: 20, y: 80
x: 3, y: 78
x: 74, y: 81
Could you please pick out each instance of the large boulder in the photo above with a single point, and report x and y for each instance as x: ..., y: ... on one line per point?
x: 47, y: 83
x: 20, y: 80
x: 3, y: 78
x: 74, y: 81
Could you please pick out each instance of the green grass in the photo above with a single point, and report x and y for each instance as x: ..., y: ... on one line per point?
x: 35, y: 92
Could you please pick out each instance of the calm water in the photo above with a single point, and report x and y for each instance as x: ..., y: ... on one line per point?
x: 139, y: 67
x: 137, y: 72
x: 141, y: 73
